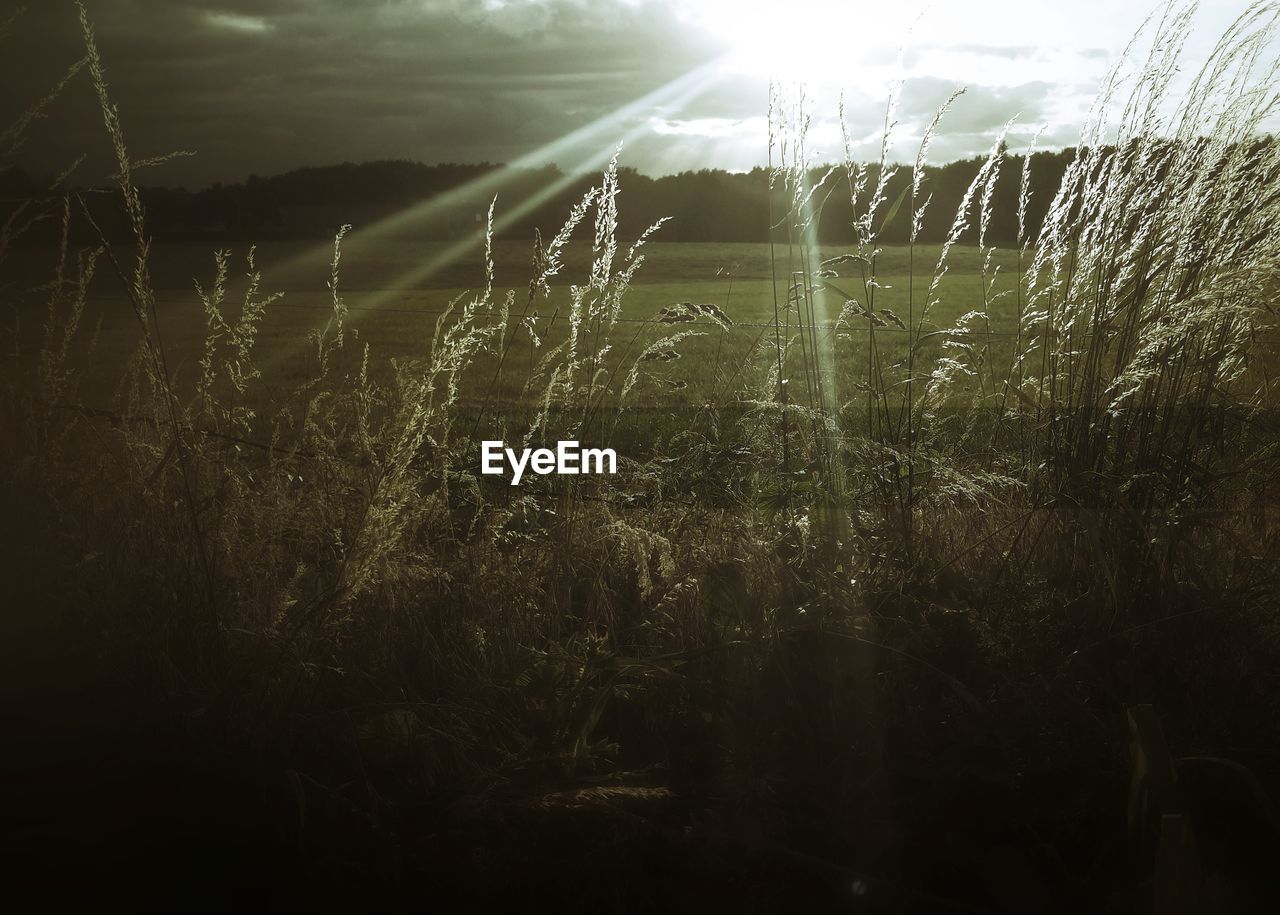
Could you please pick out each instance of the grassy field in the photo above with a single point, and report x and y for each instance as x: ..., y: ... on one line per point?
x: 871, y: 616
x: 394, y: 311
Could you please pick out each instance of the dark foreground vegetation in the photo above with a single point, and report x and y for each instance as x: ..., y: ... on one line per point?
x: 990, y: 625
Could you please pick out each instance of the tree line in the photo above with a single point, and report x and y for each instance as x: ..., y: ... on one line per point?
x: 447, y: 201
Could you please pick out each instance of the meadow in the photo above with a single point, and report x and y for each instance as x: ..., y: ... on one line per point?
x: 927, y: 572
x: 396, y: 318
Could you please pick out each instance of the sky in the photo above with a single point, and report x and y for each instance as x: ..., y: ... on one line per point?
x: 265, y: 86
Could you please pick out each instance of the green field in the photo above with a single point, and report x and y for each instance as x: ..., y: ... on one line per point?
x: 393, y: 308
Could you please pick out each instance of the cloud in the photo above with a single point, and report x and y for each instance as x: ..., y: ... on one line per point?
x: 981, y: 108
x: 1010, y: 52
x: 268, y: 85
x: 237, y: 22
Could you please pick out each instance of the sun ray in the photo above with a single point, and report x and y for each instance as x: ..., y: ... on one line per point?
x: 673, y: 96
x: 676, y: 94
x: 595, y: 136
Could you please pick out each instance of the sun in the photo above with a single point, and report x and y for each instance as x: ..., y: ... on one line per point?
x: 809, y: 41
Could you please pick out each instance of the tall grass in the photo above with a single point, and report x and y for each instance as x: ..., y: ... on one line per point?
x: 1137, y: 304
x: 1149, y: 286
x: 300, y: 564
